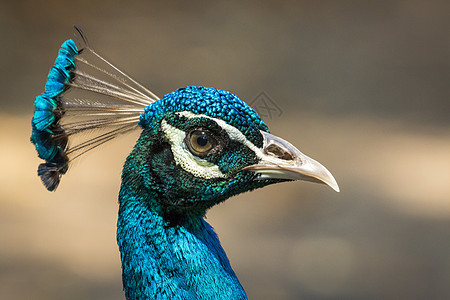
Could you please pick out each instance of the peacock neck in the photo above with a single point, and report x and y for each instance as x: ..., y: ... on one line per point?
x: 169, y: 261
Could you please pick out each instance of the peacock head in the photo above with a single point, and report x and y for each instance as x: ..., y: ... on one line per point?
x: 202, y: 145
x: 199, y: 145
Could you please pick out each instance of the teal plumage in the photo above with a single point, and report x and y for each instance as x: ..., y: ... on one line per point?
x: 165, y: 203
x: 198, y: 147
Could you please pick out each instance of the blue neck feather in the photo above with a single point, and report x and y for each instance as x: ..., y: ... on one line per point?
x: 166, y: 257
x: 185, y: 261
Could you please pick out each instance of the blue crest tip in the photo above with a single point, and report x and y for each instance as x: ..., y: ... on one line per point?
x: 47, y: 135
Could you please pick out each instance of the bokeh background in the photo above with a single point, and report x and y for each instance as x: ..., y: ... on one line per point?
x: 363, y: 87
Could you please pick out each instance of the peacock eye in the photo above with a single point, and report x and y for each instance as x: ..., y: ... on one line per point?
x: 200, y: 142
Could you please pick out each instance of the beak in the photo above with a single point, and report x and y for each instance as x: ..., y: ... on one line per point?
x: 281, y: 160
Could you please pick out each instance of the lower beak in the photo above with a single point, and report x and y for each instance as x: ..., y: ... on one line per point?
x: 281, y: 160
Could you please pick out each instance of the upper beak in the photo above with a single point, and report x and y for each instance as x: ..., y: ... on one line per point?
x: 281, y: 160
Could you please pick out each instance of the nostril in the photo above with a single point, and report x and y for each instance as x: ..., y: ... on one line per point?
x: 279, y: 152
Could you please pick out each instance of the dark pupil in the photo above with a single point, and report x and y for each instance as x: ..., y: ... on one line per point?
x: 202, y: 140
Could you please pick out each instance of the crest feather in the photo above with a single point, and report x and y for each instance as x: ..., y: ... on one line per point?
x: 87, y: 102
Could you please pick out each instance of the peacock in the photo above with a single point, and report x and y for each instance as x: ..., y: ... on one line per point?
x: 198, y: 147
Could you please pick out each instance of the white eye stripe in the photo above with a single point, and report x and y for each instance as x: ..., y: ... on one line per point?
x: 234, y: 133
x: 183, y: 157
x: 201, y: 167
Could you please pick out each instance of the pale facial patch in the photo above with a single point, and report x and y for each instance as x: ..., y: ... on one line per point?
x: 197, y: 166
x: 183, y: 157
x: 236, y: 135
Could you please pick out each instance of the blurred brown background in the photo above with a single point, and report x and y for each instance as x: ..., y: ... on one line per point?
x: 363, y: 87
